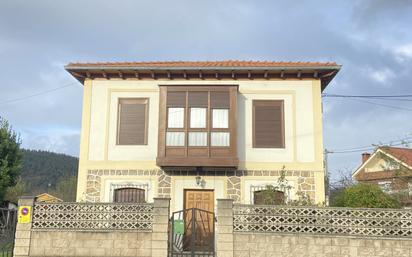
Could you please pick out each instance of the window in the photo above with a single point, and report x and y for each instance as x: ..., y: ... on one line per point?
x: 176, y: 117
x: 220, y: 138
x: 268, y: 124
x: 220, y: 118
x: 386, y: 186
x: 268, y: 197
x: 175, y: 138
x: 129, y: 195
x: 197, y: 126
x: 132, y: 121
x: 197, y: 138
x: 197, y: 117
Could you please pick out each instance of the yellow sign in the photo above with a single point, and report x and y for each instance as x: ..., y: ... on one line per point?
x: 24, y: 214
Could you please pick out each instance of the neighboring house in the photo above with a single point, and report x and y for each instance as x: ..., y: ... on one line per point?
x: 390, y: 168
x: 47, y: 198
x: 198, y: 131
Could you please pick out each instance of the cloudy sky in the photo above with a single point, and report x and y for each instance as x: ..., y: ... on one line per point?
x: 372, y: 39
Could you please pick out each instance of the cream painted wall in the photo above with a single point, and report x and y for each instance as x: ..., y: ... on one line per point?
x: 103, y: 124
x: 246, y: 152
x: 303, y: 125
x: 129, y: 152
x: 300, y: 132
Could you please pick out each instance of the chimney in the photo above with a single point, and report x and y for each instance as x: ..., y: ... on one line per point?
x: 365, y: 157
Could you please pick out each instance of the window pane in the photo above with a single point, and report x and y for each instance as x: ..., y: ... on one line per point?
x: 197, y: 138
x: 175, y: 138
x: 220, y: 138
x: 176, y: 117
x: 220, y: 118
x: 198, y: 117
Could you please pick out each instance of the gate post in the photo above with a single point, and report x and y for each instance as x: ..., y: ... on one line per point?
x: 160, y: 227
x: 23, y: 231
x: 224, y: 230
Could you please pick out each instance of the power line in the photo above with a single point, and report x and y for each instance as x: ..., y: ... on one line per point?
x: 365, y: 96
x: 365, y: 149
x: 36, y: 94
x: 382, y: 105
x: 391, y: 99
x: 370, y: 145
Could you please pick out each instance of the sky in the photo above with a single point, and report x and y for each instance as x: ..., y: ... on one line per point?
x: 371, y: 39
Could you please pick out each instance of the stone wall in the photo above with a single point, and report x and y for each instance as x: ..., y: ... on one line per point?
x: 71, y: 243
x: 305, y: 182
x: 282, y: 245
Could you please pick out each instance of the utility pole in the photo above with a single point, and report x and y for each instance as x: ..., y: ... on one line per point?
x: 326, y: 175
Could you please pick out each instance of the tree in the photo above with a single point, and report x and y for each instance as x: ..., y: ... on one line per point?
x: 66, y: 189
x: 338, y: 187
x: 365, y: 196
x: 14, y: 193
x: 10, y: 157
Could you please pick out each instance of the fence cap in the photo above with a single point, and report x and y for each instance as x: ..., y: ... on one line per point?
x: 26, y: 200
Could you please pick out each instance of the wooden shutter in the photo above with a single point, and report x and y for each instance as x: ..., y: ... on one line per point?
x: 268, y: 124
x: 129, y: 195
x: 220, y: 100
x: 258, y: 197
x: 132, y: 123
x: 176, y: 99
x: 198, y: 99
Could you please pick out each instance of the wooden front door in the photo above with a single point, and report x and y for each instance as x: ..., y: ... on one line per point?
x: 202, y: 221
x: 200, y: 199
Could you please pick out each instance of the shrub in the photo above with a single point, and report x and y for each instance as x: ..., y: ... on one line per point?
x: 365, y: 196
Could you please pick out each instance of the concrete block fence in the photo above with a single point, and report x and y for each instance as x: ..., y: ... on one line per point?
x: 109, y: 229
x: 78, y: 229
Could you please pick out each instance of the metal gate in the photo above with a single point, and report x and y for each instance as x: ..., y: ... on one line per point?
x: 8, y: 220
x: 192, y: 233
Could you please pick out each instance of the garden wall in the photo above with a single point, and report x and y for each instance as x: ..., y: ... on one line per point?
x: 93, y: 229
x: 254, y: 231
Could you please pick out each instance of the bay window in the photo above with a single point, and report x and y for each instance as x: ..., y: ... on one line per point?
x: 199, y: 121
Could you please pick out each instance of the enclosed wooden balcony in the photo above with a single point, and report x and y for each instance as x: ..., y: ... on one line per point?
x: 197, y: 126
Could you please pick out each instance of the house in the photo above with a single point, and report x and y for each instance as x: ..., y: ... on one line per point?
x: 47, y: 198
x: 390, y: 168
x: 200, y: 131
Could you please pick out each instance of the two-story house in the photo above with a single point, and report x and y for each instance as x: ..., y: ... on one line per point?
x: 199, y: 131
x: 391, y: 169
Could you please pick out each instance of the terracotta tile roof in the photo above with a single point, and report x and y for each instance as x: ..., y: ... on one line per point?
x: 381, y: 175
x: 402, y: 154
x: 194, y: 64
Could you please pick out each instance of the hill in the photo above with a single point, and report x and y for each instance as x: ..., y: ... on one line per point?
x: 43, y: 170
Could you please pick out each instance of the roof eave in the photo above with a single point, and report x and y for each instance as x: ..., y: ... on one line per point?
x: 329, y: 71
x: 228, y: 68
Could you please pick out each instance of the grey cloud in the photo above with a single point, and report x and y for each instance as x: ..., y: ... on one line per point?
x: 56, y: 141
x: 38, y: 37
